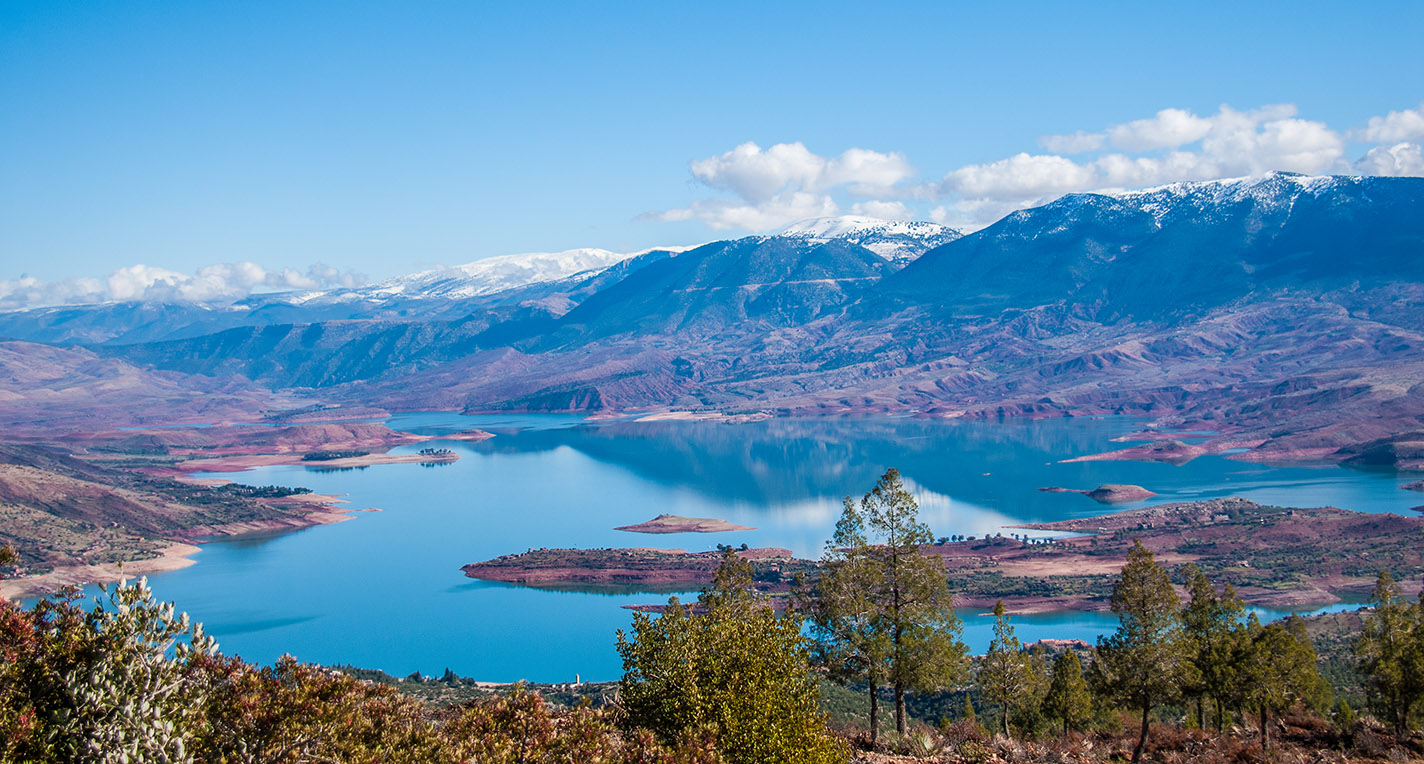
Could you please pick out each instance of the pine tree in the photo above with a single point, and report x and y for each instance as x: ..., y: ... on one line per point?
x: 1390, y: 653
x: 844, y: 613
x: 913, y: 632
x: 1277, y: 667
x: 1145, y: 662
x: 1068, y: 699
x: 1004, y: 676
x: 1212, y: 625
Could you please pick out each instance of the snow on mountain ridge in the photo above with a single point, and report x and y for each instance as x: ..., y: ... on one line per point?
x: 890, y: 239
x: 496, y: 274
x: 1279, y: 189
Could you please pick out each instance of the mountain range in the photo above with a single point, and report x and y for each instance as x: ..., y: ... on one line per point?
x: 1284, y: 311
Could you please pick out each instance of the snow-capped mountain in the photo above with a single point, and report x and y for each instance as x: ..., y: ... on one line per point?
x: 891, y: 239
x: 1271, y: 191
x: 496, y: 274
x: 479, y: 278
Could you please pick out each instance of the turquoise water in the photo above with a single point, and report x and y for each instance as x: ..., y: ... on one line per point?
x: 384, y: 589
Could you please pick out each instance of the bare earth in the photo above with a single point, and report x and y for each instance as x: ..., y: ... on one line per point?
x: 679, y: 524
x: 172, y: 557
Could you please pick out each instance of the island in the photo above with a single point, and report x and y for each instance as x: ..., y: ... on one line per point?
x: 639, y: 568
x: 1108, y: 493
x: 1277, y: 557
x: 680, y: 524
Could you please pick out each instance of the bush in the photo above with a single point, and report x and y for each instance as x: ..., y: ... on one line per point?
x: 736, y: 672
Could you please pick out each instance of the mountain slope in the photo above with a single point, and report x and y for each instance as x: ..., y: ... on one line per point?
x: 1179, y: 249
x: 750, y: 282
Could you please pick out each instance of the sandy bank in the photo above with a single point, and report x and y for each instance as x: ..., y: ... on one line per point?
x: 172, y: 557
x: 679, y: 524
x: 245, y: 462
x: 704, y: 416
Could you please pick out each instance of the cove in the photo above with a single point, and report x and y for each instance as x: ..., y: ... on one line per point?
x: 384, y: 589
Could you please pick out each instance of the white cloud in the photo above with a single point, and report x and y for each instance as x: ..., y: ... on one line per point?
x: 1399, y: 159
x: 1406, y: 125
x: 882, y: 210
x: 777, y: 212
x: 1168, y: 129
x: 1229, y: 143
x: 785, y: 183
x: 1020, y: 176
x: 219, y: 283
x: 1077, y: 143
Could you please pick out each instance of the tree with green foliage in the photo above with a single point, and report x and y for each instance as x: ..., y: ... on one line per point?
x: 914, y: 622
x: 1068, y: 699
x: 1390, y: 653
x: 843, y: 613
x: 1212, y: 626
x: 734, y: 671
x: 1276, y: 669
x: 1146, y: 661
x: 1004, y: 677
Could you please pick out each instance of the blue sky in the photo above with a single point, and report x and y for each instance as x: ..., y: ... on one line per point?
x: 381, y: 138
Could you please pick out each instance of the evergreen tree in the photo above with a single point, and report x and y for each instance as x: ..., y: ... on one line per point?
x: 1004, y: 675
x: 736, y: 671
x: 844, y: 613
x: 1277, y: 667
x: 1212, y: 625
x: 1068, y: 699
x: 1390, y: 654
x: 1146, y: 661
x: 913, y: 632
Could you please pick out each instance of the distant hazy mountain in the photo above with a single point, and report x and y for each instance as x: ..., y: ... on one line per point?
x: 1286, y: 306
x: 476, y: 279
x: 893, y: 240
x: 440, y: 293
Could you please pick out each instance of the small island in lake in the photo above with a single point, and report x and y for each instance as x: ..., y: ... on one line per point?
x: 1109, y: 493
x: 680, y: 524
x: 585, y: 568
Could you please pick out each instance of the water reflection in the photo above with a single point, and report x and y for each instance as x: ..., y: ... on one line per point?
x: 384, y: 590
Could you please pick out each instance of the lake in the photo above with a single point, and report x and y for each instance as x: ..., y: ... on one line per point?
x: 384, y: 590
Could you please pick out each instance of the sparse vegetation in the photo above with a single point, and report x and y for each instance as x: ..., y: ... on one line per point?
x: 327, y: 456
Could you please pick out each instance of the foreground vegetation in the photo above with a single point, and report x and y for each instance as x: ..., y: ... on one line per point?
x: 727, y: 679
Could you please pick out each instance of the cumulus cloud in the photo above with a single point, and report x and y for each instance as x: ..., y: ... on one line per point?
x: 1168, y: 129
x: 1019, y: 176
x: 788, y: 182
x: 1406, y: 125
x: 1172, y: 145
x: 1399, y: 159
x: 785, y: 183
x: 882, y: 210
x: 218, y: 283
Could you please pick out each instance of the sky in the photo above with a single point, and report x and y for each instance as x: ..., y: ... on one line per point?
x: 204, y: 150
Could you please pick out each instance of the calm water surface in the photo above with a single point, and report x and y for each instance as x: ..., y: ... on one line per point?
x: 384, y: 590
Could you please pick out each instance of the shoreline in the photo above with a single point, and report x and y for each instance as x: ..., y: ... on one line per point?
x: 175, y: 556
x: 248, y: 462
